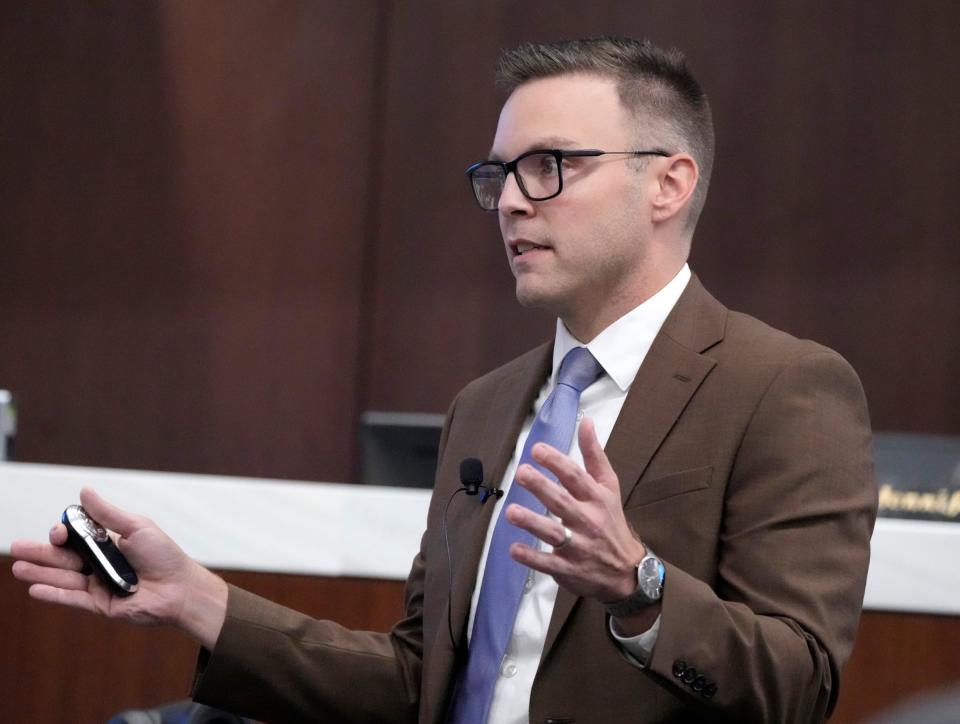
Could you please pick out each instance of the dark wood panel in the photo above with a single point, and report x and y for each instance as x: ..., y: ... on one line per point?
x: 183, y: 232
x: 60, y: 665
x: 897, y: 656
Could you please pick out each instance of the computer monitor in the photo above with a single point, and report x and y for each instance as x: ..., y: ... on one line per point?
x: 399, y: 448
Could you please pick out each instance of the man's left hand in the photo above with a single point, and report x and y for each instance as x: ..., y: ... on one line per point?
x: 599, y: 559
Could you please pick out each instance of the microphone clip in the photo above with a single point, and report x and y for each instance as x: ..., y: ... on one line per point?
x: 488, y: 493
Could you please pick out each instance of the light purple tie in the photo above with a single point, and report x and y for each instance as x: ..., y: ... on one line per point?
x: 504, y: 578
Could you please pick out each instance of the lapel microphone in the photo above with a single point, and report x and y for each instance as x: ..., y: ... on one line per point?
x: 471, y: 480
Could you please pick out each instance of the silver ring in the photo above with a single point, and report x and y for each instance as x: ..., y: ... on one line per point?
x: 567, y: 537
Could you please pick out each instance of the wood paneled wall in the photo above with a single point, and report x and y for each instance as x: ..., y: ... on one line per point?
x: 227, y: 229
x: 185, y: 219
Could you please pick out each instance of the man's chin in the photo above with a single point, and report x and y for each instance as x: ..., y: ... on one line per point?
x: 532, y: 297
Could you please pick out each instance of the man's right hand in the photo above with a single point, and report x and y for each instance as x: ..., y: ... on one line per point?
x: 173, y: 588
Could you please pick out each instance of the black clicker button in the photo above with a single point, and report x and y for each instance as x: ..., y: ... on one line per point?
x: 679, y: 667
x: 709, y: 690
x: 689, y: 675
x: 698, y: 684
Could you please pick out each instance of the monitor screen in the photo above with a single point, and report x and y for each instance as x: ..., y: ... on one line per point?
x: 399, y: 448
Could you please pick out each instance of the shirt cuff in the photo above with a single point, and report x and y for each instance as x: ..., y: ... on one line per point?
x: 637, y: 649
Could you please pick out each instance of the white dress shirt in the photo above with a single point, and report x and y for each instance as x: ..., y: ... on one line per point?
x: 620, y: 349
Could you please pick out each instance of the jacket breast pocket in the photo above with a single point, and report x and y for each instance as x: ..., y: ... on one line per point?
x: 646, y: 492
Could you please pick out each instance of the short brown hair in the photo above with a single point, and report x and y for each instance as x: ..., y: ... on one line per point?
x: 653, y: 84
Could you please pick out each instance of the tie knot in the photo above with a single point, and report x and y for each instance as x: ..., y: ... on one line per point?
x: 579, y: 369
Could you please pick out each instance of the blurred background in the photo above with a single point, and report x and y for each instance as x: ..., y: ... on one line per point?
x: 228, y: 228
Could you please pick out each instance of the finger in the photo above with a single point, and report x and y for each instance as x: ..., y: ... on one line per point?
x: 45, y: 554
x: 556, y: 498
x: 51, y: 594
x: 543, y: 527
x: 549, y: 563
x: 595, y: 459
x: 107, y: 514
x: 573, y: 477
x: 58, y: 534
x: 56, y: 577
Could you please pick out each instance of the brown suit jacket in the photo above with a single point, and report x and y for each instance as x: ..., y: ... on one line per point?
x: 744, y: 459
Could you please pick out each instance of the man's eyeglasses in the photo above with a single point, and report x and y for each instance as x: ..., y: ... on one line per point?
x: 539, y: 174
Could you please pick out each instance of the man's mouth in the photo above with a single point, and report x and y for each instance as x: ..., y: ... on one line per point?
x: 522, y: 247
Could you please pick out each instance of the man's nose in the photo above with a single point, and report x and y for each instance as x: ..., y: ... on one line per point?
x: 512, y: 200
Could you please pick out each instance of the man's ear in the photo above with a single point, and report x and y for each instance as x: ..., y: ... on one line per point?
x: 677, y: 181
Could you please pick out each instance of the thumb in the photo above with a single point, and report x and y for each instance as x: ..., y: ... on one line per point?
x: 107, y: 514
x: 595, y: 460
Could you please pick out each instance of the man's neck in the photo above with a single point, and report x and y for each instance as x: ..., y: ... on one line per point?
x: 587, y: 321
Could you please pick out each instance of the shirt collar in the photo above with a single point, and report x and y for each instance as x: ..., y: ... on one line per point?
x: 621, y: 348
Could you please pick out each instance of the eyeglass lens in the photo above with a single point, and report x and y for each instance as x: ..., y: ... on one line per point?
x: 538, y: 176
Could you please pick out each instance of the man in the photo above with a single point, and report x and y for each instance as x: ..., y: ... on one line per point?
x: 703, y: 551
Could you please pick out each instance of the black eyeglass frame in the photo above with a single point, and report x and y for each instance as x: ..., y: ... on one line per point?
x: 559, y: 154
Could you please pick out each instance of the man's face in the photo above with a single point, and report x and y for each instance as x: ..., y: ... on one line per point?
x: 583, y: 251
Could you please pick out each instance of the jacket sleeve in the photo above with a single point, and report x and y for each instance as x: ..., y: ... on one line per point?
x: 276, y: 664
x: 768, y: 640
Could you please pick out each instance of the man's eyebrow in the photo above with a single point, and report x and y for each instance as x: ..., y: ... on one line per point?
x: 547, y: 142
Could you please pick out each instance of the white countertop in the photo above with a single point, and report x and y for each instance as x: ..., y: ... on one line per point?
x: 331, y: 529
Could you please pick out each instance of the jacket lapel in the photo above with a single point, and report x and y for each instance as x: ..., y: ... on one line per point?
x: 670, y: 374
x: 509, y: 408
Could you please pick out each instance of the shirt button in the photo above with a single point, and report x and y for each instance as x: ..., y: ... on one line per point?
x: 528, y: 584
x: 508, y: 669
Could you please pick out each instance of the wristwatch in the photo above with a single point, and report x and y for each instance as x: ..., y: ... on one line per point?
x: 650, y: 572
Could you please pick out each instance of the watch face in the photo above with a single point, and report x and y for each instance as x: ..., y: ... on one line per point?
x: 650, y: 575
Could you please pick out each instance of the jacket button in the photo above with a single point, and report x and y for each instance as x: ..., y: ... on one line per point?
x: 679, y: 667
x: 709, y: 690
x: 689, y: 675
x: 698, y: 684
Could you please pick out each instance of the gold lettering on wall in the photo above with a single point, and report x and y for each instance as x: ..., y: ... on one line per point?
x: 942, y: 502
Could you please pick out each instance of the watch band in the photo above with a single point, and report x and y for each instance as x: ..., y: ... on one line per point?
x: 650, y: 575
